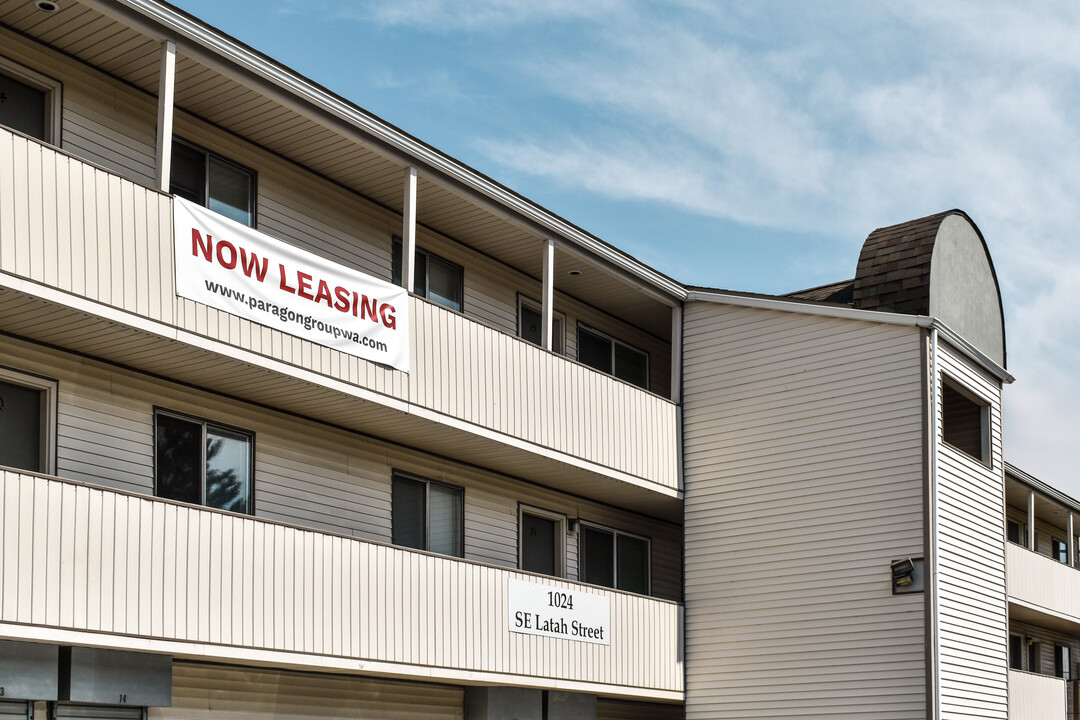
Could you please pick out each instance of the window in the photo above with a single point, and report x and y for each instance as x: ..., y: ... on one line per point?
x: 202, y: 463
x: 212, y: 181
x: 531, y: 325
x: 964, y: 421
x: 1013, y: 532
x: 614, y: 559
x: 1016, y: 652
x: 29, y: 102
x: 436, y: 279
x: 27, y: 424
x: 541, y: 545
x: 608, y: 355
x: 1062, y: 666
x: 1059, y: 550
x: 427, y: 515
x: 1034, y: 649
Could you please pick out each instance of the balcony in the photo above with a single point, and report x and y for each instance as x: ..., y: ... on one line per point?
x: 1041, y: 589
x: 1036, y: 697
x: 81, y: 564
x: 86, y: 263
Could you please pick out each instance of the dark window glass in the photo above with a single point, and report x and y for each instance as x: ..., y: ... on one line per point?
x: 179, y: 459
x: 1060, y: 551
x: 213, y: 182
x: 1016, y: 652
x: 598, y: 556
x: 633, y: 564
x: 187, y: 179
x: 531, y: 325
x: 444, y: 283
x: 228, y: 469
x: 202, y: 463
x: 230, y: 190
x: 1034, y: 657
x: 433, y: 278
x: 962, y: 421
x: 594, y: 350
x: 631, y: 366
x: 538, y: 544
x: 1012, y: 531
x: 409, y: 510
x: 20, y: 427
x: 22, y: 107
x: 427, y: 516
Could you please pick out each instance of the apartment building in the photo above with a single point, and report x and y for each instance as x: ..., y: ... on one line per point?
x: 302, y: 417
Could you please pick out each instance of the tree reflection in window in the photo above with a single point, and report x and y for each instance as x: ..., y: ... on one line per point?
x: 202, y: 463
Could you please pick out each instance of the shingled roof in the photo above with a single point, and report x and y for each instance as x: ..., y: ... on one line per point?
x: 894, y: 267
x: 837, y: 292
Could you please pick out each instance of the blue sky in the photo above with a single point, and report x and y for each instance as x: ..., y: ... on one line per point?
x: 749, y: 146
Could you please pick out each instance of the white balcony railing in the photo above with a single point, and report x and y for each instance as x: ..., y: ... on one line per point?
x: 191, y: 581
x: 1036, y: 697
x: 89, y: 233
x: 1041, y: 583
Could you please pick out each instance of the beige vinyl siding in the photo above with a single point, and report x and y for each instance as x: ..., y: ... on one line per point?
x: 223, y: 692
x: 306, y: 474
x: 82, y: 230
x: 217, y: 585
x: 971, y: 561
x: 114, y: 125
x: 804, y: 475
x: 103, y: 121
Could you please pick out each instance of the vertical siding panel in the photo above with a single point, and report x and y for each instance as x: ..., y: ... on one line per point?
x: 95, y: 544
x: 10, y: 195
x: 49, y: 218
x: 22, y: 211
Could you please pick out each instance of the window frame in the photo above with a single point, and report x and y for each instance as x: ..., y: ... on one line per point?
x: 1062, y: 661
x: 1059, y: 548
x: 397, y: 250
x: 428, y: 482
x: 615, y: 558
x: 581, y: 326
x: 1034, y: 655
x: 54, y: 96
x: 560, y: 536
x: 207, y: 154
x: 557, y: 347
x: 47, y: 432
x: 985, y: 453
x: 204, y: 422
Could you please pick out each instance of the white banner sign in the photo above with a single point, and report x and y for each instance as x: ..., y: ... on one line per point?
x: 234, y: 268
x: 568, y: 614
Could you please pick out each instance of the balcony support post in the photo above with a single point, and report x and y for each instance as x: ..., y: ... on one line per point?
x: 408, y: 231
x: 1071, y: 542
x: 1031, y: 521
x: 548, y: 292
x: 166, y: 103
x: 676, y: 354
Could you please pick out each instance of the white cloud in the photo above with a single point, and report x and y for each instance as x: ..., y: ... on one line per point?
x: 970, y: 105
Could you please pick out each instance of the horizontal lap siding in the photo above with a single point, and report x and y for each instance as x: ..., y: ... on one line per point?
x: 971, y: 562
x: 305, y: 474
x: 86, y: 231
x: 804, y: 479
x: 84, y: 558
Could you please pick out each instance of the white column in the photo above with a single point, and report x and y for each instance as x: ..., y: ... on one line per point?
x: 166, y: 102
x: 676, y: 353
x: 1031, y: 520
x: 1071, y: 541
x: 548, y: 292
x: 408, y: 231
